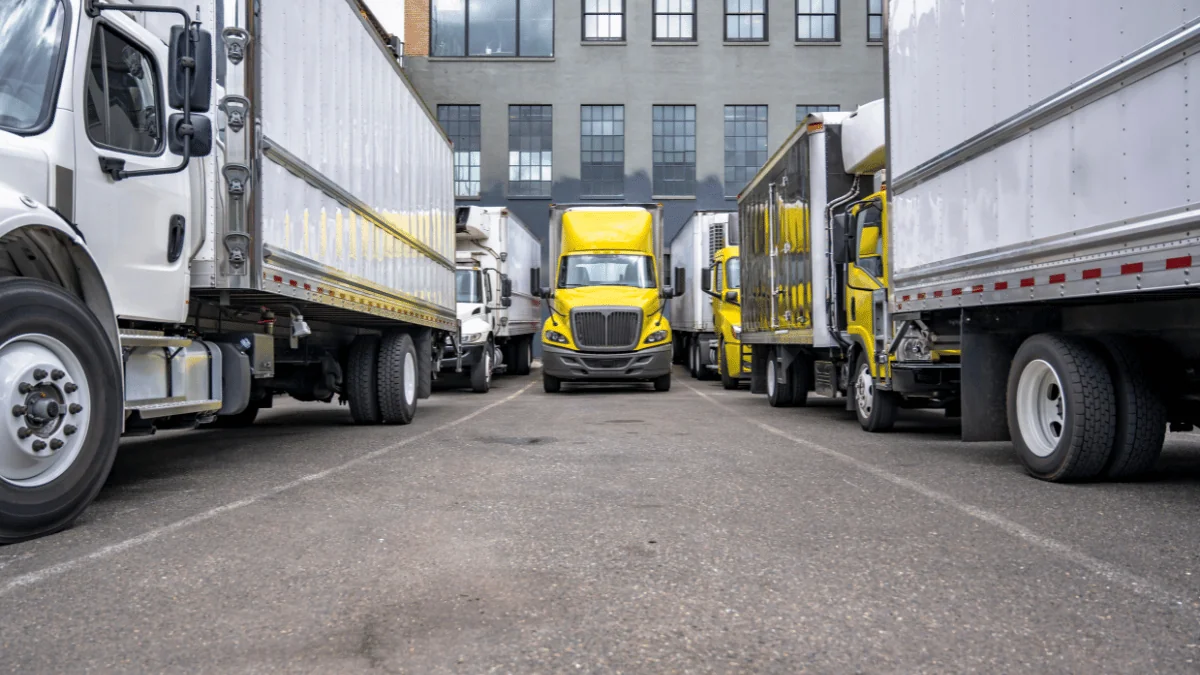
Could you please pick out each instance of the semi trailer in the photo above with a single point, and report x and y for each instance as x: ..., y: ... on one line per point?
x: 203, y: 206
x: 608, y: 295
x: 699, y: 322
x: 495, y: 255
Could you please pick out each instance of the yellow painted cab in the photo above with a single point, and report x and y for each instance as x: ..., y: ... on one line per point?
x: 723, y: 281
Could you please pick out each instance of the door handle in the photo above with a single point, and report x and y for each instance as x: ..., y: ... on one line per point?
x: 175, y: 234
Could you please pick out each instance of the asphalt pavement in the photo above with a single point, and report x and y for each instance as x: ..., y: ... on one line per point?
x: 610, y: 530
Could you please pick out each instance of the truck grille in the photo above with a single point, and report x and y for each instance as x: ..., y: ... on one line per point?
x: 606, y: 328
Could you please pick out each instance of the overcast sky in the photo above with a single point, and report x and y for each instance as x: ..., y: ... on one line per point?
x: 390, y: 13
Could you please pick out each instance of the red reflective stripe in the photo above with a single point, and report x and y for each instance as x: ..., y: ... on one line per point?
x: 1131, y: 268
x: 977, y: 289
x: 1058, y: 278
x: 920, y: 296
x: 1026, y: 282
x: 1179, y: 263
x: 1001, y: 285
x: 278, y: 279
x: 956, y: 291
x: 937, y: 294
x: 1092, y: 273
x: 307, y: 287
x: 905, y: 298
x: 292, y: 282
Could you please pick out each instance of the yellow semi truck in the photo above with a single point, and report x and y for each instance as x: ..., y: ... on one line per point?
x: 723, y: 281
x: 606, y: 298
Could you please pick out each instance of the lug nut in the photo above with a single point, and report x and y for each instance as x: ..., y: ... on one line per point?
x: 69, y: 429
x: 55, y: 443
x: 24, y: 388
x: 40, y: 374
x: 24, y: 432
x: 57, y: 375
x: 19, y: 410
x: 70, y: 387
x: 75, y: 408
x: 39, y: 445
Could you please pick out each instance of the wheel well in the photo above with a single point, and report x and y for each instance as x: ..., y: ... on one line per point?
x: 50, y: 254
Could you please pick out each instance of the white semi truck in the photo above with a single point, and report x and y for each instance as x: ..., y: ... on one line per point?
x: 203, y: 206
x: 496, y: 256
x: 1043, y: 220
x: 701, y: 237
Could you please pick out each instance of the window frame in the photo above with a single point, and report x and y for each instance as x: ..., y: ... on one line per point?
x: 654, y: 14
x: 584, y: 192
x: 479, y: 191
x: 584, y: 14
x: 654, y: 165
x: 837, y: 23
x: 725, y: 139
x: 509, y: 183
x: 882, y: 9
x: 50, y: 106
x: 467, y: 36
x: 766, y: 16
x: 100, y: 25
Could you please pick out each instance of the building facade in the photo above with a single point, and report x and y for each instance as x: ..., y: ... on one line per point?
x: 672, y: 101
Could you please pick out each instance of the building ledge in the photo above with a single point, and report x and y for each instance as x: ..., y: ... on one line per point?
x: 528, y: 198
x: 603, y: 43
x: 672, y: 198
x: 817, y: 43
x: 747, y: 43
x: 485, y: 59
x: 674, y: 43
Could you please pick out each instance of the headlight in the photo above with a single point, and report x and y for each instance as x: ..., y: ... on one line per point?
x: 555, y: 336
x: 914, y: 347
x: 737, y: 329
x: 656, y: 336
x: 474, y: 338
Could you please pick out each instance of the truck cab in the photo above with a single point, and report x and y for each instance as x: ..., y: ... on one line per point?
x: 607, y: 304
x: 478, y: 292
x: 724, y: 282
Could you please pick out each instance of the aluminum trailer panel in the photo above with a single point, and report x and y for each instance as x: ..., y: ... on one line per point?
x: 704, y: 233
x: 1040, y: 156
x: 524, y: 255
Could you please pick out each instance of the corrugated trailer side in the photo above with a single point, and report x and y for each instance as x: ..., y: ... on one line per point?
x: 524, y: 255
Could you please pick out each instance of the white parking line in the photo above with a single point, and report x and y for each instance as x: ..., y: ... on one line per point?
x: 1111, y: 573
x: 30, y: 578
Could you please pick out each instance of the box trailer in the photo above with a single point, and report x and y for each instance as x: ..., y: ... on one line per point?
x: 694, y: 247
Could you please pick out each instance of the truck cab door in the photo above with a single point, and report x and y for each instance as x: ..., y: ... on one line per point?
x: 136, y: 227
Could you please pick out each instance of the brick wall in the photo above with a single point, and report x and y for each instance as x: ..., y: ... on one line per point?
x: 416, y: 27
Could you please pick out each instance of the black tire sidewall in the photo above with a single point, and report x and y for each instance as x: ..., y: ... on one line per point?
x: 37, y: 307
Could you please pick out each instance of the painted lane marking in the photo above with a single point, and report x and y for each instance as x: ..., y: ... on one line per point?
x: 37, y: 576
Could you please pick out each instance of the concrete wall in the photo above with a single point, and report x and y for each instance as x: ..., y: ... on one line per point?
x: 639, y: 74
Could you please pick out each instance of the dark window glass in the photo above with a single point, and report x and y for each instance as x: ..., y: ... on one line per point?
x: 461, y: 124
x: 122, y: 98
x: 30, y: 54
x: 604, y: 19
x: 803, y: 111
x: 675, y: 20
x: 745, y: 144
x: 492, y: 28
x: 606, y: 269
x: 466, y: 286
x: 874, y: 20
x: 530, y: 134
x: 817, y: 20
x: 602, y: 150
x: 746, y: 20
x: 674, y: 138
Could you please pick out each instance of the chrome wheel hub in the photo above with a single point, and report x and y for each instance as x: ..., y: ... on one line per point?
x: 864, y: 391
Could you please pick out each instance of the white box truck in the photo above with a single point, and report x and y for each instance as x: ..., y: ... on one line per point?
x: 1043, y: 218
x: 496, y: 256
x: 203, y: 206
x: 703, y: 235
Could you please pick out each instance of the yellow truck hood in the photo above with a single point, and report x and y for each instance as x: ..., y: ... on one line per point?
x: 646, y: 299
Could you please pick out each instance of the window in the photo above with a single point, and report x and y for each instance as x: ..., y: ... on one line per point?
x: 466, y: 286
x: 31, y: 59
x: 461, y: 124
x: 733, y: 273
x: 745, y: 144
x: 530, y: 132
x: 604, y: 20
x: 606, y: 269
x: 674, y: 150
x: 803, y: 111
x: 718, y: 277
x: 746, y: 20
x: 816, y: 20
x: 602, y: 150
x: 674, y: 20
x: 122, y: 98
x: 492, y: 28
x: 874, y: 20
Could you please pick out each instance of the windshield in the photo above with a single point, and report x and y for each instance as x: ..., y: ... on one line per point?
x: 608, y: 269
x: 30, y: 51
x: 733, y: 273
x: 467, y: 286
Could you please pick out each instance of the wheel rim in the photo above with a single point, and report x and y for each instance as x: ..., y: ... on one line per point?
x: 771, y: 384
x: 487, y: 364
x: 410, y: 378
x: 47, y: 409
x: 1041, y: 408
x: 864, y: 391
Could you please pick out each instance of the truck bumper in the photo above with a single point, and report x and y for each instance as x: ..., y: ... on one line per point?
x: 471, y: 355
x: 645, y: 364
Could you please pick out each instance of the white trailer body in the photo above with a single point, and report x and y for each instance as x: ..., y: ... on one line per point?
x: 496, y: 255
x: 1042, y: 215
x: 263, y: 206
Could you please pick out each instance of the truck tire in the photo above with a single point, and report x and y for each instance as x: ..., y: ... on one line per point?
x: 362, y: 370
x: 398, y: 378
x: 1061, y: 408
x: 481, y: 372
x: 551, y: 384
x: 693, y: 359
x: 801, y: 379
x: 523, y: 356
x: 778, y: 395
x: 727, y: 381
x: 46, y: 331
x: 1141, y: 412
x: 662, y: 383
x: 876, y: 409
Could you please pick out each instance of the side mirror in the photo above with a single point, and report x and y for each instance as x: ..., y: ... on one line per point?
x: 731, y: 297
x: 199, y: 96
x: 535, y: 280
x: 545, y: 292
x: 841, y: 241
x: 680, y: 280
x: 706, y: 279
x: 197, y: 139
x: 668, y: 291
x: 506, y: 288
x: 506, y: 302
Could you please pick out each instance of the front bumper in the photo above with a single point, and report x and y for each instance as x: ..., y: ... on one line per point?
x: 645, y: 364
x: 471, y: 355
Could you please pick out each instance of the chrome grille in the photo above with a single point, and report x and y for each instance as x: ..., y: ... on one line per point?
x: 606, y: 328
